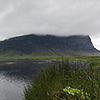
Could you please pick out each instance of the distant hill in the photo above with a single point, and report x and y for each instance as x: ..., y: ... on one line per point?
x: 41, y: 45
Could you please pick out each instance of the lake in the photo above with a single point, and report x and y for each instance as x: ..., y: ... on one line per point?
x: 15, y: 74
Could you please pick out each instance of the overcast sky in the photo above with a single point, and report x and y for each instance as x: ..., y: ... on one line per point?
x: 57, y: 17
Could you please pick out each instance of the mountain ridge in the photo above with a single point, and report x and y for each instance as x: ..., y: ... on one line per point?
x: 48, y: 45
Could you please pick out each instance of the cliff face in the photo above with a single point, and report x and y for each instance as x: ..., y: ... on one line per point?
x: 81, y: 43
x: 48, y: 45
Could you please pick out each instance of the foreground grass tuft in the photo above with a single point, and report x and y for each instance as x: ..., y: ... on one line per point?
x: 50, y: 83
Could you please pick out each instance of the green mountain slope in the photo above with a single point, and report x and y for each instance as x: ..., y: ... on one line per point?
x: 41, y: 45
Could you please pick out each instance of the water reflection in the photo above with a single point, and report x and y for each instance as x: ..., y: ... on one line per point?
x: 22, y: 68
x: 10, y: 89
x: 14, y: 75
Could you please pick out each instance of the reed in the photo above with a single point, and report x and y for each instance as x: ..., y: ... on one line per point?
x: 49, y: 83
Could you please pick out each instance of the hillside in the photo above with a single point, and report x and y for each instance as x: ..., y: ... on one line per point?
x: 41, y: 45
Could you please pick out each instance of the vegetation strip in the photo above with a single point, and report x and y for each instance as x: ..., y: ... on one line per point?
x: 50, y: 83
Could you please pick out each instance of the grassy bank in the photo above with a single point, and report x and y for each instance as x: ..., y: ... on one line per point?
x: 52, y: 57
x: 65, y: 81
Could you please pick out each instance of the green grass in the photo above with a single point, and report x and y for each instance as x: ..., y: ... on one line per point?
x: 52, y: 57
x: 49, y: 83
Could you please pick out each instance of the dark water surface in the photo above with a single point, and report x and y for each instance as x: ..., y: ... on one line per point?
x: 15, y: 74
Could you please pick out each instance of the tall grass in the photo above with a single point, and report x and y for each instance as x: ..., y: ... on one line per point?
x: 50, y: 82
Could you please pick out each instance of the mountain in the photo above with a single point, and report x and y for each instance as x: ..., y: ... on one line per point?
x: 48, y: 45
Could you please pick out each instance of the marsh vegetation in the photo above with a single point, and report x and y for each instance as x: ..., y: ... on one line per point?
x: 66, y: 81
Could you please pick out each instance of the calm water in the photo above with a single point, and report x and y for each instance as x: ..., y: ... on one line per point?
x: 15, y: 74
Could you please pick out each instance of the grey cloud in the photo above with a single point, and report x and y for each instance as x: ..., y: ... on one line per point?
x: 57, y: 17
